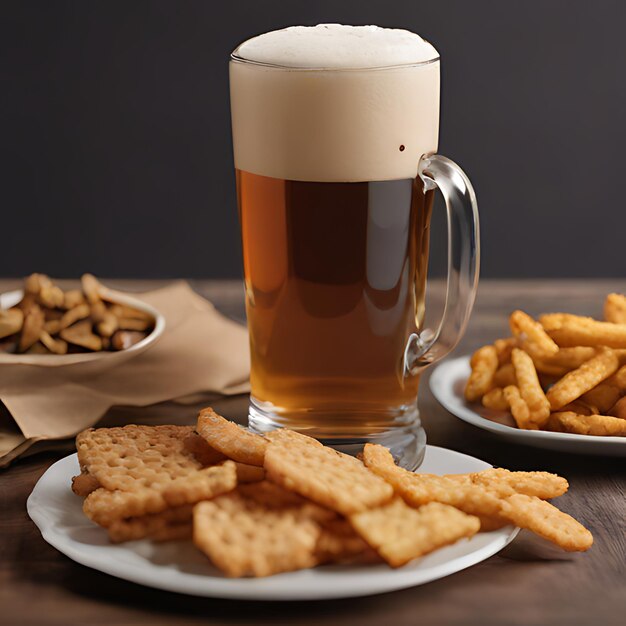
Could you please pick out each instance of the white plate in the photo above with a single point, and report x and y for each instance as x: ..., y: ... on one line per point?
x: 178, y: 566
x: 94, y: 362
x: 447, y: 382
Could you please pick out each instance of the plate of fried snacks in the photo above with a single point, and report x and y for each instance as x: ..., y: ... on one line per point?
x: 558, y: 382
x: 216, y: 510
x: 42, y: 324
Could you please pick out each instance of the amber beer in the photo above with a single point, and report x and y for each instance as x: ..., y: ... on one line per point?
x: 335, y: 276
x: 331, y: 125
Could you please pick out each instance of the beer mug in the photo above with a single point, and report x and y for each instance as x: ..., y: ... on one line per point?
x: 335, y: 132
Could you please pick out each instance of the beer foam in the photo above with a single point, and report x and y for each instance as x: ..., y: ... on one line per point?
x: 337, y: 46
x: 334, y: 103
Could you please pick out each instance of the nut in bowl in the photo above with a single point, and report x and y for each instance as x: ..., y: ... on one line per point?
x: 562, y: 373
x: 44, y: 325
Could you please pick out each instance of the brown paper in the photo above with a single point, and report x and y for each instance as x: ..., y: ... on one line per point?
x: 200, y: 352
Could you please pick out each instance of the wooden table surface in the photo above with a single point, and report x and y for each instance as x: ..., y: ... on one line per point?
x: 527, y: 583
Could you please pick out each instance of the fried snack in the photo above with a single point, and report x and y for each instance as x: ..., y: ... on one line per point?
x: 530, y: 388
x: 326, y: 476
x: 532, y: 334
x: 145, y: 469
x: 126, y: 312
x: 400, y: 533
x: 201, y: 450
x: 231, y: 439
x: 79, y: 312
x: 56, y: 346
x: 87, y: 320
x: 245, y: 538
x: 84, y: 484
x: 603, y: 397
x: 597, y: 425
x: 484, y: 364
x: 619, y: 378
x: 519, y: 408
x: 80, y: 334
x: 91, y: 288
x: 583, y: 379
x: 504, y: 347
x: 35, y: 282
x: 31, y: 329
x: 619, y: 410
x: 339, y: 543
x: 73, y: 298
x: 170, y: 525
x: 589, y: 332
x: 505, y: 375
x: 286, y: 435
x: 496, y: 400
x: 51, y: 296
x: 11, y: 322
x: 615, y: 308
x: 554, y: 321
x: 129, y: 323
x: 503, y: 482
x: 489, y: 523
x: 547, y: 521
x: 249, y: 473
x: 420, y: 489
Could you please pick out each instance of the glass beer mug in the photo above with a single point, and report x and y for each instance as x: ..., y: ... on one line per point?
x: 335, y: 131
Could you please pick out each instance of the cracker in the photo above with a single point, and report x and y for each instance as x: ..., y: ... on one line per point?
x: 421, y: 489
x: 245, y: 538
x: 400, y: 533
x: 145, y: 469
x: 231, y: 439
x: 249, y: 473
x: 326, y: 476
x: 169, y: 525
x: 284, y: 434
x: 201, y: 485
x: 547, y: 521
x: 339, y: 543
x: 200, y: 449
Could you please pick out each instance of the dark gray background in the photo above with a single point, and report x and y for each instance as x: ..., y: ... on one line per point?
x: 115, y: 137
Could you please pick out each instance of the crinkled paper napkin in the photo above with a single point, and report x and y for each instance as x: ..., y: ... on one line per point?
x: 200, y: 352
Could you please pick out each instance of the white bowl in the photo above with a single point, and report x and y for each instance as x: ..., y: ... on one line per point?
x: 94, y: 361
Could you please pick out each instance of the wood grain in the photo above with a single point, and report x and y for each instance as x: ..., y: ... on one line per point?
x: 528, y: 583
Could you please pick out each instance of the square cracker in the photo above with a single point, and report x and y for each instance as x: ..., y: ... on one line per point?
x: 257, y: 532
x: 545, y: 520
x: 400, y: 533
x: 232, y: 440
x: 332, y: 479
x: 145, y: 469
x: 169, y: 525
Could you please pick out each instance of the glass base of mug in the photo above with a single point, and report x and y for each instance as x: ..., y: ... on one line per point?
x: 405, y: 438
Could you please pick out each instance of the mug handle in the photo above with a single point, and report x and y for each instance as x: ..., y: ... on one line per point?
x: 428, y: 346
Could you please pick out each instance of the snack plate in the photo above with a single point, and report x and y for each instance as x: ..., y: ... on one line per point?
x: 447, y: 382
x: 179, y: 567
x: 95, y: 361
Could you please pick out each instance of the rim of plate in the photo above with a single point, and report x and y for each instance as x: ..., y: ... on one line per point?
x: 316, y: 584
x: 443, y: 391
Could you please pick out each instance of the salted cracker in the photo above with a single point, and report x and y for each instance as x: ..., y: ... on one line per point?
x: 328, y: 477
x: 400, y: 533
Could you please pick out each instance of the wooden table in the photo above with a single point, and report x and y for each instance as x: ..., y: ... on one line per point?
x: 527, y: 583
